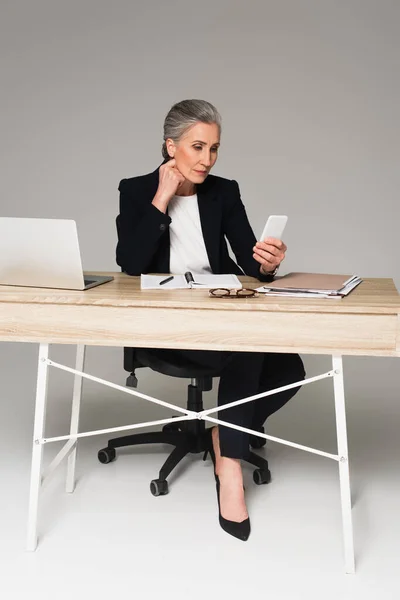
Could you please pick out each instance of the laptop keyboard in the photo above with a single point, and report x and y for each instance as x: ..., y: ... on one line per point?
x: 89, y: 281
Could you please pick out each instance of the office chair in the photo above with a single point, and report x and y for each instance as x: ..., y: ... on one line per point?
x: 186, y: 436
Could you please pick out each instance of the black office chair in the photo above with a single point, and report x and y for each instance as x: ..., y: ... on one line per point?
x: 186, y: 436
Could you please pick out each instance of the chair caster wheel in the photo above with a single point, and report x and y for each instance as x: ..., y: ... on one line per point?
x: 257, y: 442
x: 106, y: 455
x: 261, y: 476
x: 159, y: 487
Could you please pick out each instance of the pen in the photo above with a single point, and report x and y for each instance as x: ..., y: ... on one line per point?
x: 166, y: 280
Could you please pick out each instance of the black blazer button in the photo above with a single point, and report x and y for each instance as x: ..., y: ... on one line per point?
x: 163, y: 227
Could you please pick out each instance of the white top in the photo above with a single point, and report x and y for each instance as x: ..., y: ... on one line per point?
x: 187, y: 249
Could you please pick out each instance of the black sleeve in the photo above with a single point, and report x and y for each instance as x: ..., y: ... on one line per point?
x: 140, y: 228
x: 240, y: 235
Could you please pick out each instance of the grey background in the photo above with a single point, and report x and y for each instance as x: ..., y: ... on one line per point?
x: 309, y: 94
x: 308, y: 91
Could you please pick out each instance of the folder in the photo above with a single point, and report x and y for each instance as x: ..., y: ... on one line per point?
x: 312, y: 285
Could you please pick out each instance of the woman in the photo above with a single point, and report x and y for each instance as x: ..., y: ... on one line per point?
x: 177, y: 219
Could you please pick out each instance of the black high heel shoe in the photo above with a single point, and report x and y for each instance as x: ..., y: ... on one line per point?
x: 241, y: 530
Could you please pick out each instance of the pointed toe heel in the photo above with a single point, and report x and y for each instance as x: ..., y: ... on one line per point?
x: 241, y: 530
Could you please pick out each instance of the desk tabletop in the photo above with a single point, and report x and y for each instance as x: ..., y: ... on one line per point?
x: 118, y: 313
x: 372, y: 296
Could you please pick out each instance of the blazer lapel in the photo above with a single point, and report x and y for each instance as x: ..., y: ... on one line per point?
x: 210, y: 217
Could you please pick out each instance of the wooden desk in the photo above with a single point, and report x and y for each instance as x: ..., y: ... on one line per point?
x: 118, y: 313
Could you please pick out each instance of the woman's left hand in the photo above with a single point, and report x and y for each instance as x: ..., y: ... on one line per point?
x: 269, y: 253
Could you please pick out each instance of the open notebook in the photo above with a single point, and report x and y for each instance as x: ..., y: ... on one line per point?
x: 189, y: 280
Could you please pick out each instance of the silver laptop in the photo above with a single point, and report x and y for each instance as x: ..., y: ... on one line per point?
x: 43, y: 253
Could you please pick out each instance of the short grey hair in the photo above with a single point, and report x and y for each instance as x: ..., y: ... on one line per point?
x: 184, y: 115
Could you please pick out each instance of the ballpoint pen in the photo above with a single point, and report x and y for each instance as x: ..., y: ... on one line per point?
x: 166, y: 280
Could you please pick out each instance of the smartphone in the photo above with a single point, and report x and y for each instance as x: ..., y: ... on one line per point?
x: 274, y: 227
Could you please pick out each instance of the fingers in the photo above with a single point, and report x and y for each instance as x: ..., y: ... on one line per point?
x: 269, y: 253
x: 168, y: 166
x: 170, y: 180
x: 170, y: 163
x: 274, y: 242
x: 267, y: 265
x: 171, y: 167
x: 277, y: 250
x: 268, y: 256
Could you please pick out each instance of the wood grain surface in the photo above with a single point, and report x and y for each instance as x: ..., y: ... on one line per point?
x: 118, y: 313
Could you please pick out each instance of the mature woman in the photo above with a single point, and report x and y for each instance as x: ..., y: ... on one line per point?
x: 178, y: 219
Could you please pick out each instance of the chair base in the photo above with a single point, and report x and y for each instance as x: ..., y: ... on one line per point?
x: 188, y: 437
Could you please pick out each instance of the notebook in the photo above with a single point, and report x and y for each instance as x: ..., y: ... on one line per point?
x: 189, y: 280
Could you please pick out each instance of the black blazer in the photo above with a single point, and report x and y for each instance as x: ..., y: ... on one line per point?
x: 143, y: 230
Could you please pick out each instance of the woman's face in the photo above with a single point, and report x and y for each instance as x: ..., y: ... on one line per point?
x: 196, y: 151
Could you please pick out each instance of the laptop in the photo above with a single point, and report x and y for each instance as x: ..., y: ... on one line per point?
x: 43, y: 253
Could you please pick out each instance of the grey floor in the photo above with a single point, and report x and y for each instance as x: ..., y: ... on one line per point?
x: 112, y: 537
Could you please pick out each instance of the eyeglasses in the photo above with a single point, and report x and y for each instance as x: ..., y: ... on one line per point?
x: 226, y: 293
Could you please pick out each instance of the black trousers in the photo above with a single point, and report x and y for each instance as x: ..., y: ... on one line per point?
x: 244, y: 374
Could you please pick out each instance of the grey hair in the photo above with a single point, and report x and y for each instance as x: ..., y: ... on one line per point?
x: 184, y: 115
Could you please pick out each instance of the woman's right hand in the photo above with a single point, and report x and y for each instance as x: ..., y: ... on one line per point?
x: 170, y: 179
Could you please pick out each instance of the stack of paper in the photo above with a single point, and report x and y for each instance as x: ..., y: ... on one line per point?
x: 311, y: 285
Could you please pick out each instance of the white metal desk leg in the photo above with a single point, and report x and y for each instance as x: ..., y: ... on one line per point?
x: 76, y: 405
x: 344, y: 474
x: 37, y: 449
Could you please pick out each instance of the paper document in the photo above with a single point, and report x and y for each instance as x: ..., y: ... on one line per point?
x: 287, y: 294
x: 311, y: 285
x: 189, y: 280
